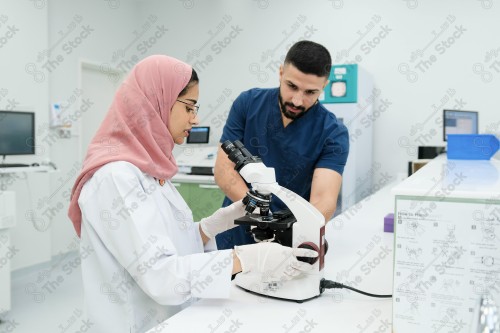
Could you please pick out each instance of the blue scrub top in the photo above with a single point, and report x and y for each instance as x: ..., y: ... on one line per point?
x: 315, y: 140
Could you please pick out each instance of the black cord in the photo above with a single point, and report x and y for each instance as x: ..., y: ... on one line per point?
x: 328, y: 284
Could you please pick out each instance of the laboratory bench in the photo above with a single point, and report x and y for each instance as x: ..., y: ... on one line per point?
x: 360, y: 255
x: 447, y: 245
x: 441, y: 258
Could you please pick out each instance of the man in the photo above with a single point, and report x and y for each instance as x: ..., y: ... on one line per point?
x: 290, y: 131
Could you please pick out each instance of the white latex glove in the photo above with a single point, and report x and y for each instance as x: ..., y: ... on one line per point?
x: 222, y: 219
x: 276, y: 262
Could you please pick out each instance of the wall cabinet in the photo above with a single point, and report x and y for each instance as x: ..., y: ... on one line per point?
x: 203, y: 199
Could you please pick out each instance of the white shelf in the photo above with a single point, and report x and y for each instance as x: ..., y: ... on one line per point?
x: 27, y: 169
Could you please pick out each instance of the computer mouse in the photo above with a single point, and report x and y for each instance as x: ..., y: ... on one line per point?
x: 35, y: 164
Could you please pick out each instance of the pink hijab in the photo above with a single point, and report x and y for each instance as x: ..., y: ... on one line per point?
x: 135, y: 127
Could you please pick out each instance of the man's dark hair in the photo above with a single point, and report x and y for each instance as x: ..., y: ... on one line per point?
x: 310, y: 58
x: 192, y: 81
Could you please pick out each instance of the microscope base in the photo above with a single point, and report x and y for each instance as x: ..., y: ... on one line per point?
x: 299, y: 289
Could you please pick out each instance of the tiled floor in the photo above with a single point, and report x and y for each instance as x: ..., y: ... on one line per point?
x: 47, y: 298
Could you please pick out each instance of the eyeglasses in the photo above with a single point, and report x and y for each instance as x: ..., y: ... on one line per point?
x: 194, y: 108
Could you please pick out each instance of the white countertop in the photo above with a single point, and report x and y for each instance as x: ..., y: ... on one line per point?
x: 360, y: 254
x: 198, y: 179
x: 454, y: 179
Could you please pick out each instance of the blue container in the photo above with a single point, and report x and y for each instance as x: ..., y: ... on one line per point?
x: 471, y: 146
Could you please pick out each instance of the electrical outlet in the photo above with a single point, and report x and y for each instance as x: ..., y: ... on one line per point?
x: 64, y: 133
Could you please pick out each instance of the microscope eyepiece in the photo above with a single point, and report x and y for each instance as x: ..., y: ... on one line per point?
x: 227, y: 146
x: 238, y: 154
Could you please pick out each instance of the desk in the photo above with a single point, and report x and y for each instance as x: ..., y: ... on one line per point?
x: 7, y: 220
x: 360, y: 255
x: 30, y: 187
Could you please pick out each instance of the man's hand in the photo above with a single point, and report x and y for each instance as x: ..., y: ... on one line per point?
x: 325, y: 190
x: 228, y: 179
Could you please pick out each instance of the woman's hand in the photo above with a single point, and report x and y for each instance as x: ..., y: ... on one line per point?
x: 274, y: 261
x: 221, y: 220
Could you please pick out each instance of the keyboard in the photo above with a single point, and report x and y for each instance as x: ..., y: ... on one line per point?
x: 13, y: 165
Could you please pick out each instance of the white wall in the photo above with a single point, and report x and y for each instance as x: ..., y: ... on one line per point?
x: 102, y: 27
x: 24, y: 88
x: 381, y: 36
x: 55, y: 36
x: 254, y: 36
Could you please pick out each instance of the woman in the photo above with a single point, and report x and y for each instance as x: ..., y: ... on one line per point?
x: 142, y: 254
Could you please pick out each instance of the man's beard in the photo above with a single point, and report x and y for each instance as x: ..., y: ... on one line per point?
x: 288, y: 114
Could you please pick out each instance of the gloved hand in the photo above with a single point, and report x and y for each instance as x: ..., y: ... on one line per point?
x: 222, y: 219
x: 276, y: 262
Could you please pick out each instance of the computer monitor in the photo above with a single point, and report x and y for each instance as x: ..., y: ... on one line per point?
x: 429, y: 152
x: 17, y: 133
x: 459, y: 122
x: 199, y: 134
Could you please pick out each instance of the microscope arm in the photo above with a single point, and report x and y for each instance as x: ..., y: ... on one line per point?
x: 301, y: 208
x: 309, y: 218
x: 258, y: 173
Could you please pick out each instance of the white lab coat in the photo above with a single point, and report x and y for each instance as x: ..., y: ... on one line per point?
x: 142, y: 254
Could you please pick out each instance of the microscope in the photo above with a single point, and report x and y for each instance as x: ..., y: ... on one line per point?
x: 301, y: 226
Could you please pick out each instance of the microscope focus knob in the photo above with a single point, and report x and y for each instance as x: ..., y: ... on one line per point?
x: 310, y: 246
